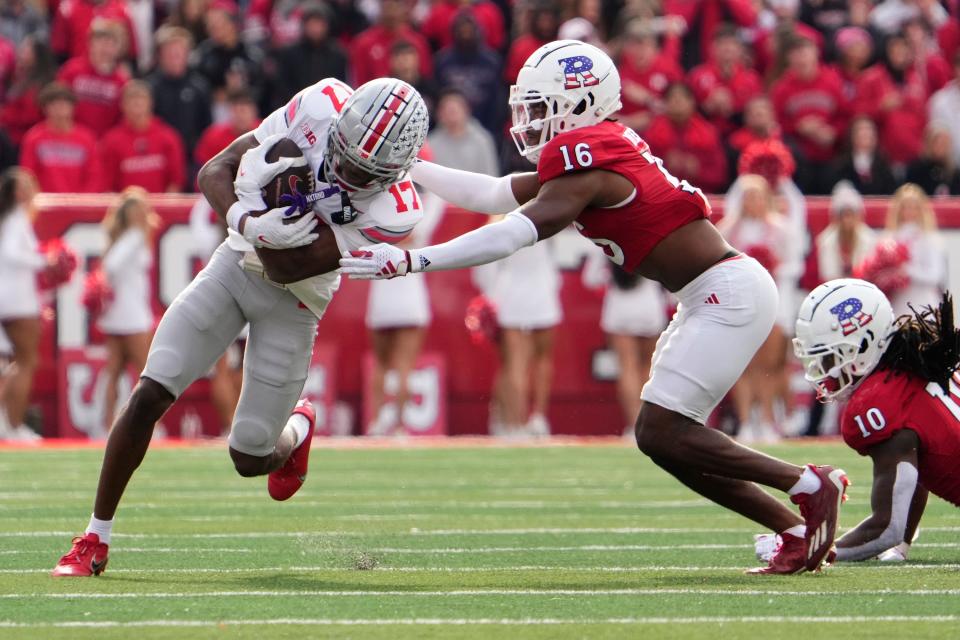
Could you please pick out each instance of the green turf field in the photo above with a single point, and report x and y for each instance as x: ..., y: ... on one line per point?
x: 588, y: 542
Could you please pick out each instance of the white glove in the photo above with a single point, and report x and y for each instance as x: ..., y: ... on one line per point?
x: 255, y: 172
x: 269, y: 230
x: 376, y: 262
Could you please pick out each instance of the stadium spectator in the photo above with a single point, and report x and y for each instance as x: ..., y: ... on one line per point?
x: 948, y: 37
x: 223, y: 59
x: 473, y: 69
x: 34, y: 69
x: 20, y: 19
x: 812, y: 111
x: 542, y: 18
x: 97, y: 78
x: 826, y: 16
x: 142, y: 16
x: 912, y: 223
x: 759, y: 124
x: 127, y: 320
x: 778, y: 28
x: 74, y: 19
x: 889, y: 16
x: 274, y: 23
x: 315, y: 56
x: 930, y: 65
x: 854, y: 50
x: 722, y: 86
x: 935, y: 171
x: 759, y: 230
x: 525, y: 291
x: 703, y: 18
x: 60, y: 152
x: 437, y: 26
x: 404, y: 63
x: 181, y: 96
x: 944, y: 106
x: 688, y: 144
x: 243, y: 118
x: 458, y: 140
x: 20, y: 261
x: 370, y: 51
x: 142, y: 151
x: 646, y: 71
x: 864, y: 165
x: 190, y: 15
x: 634, y: 314
x: 894, y: 95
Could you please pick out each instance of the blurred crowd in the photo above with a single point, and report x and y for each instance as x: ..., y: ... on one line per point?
x: 99, y: 95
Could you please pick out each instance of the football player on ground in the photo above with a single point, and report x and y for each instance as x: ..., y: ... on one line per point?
x: 903, y: 410
x: 601, y: 176
x: 360, y: 146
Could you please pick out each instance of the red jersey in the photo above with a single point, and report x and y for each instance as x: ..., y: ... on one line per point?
x: 884, y: 404
x: 64, y: 162
x: 655, y: 79
x: 370, y: 52
x: 521, y: 49
x: 71, y: 24
x: 152, y: 158
x: 795, y: 99
x: 437, y: 25
x: 98, y: 95
x: 215, y: 139
x: 742, y: 83
x: 698, y: 138
x: 19, y: 113
x: 899, y: 128
x: 660, y: 205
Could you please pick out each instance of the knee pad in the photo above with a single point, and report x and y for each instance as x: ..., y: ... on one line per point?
x: 254, y: 436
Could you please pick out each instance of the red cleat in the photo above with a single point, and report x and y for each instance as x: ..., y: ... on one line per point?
x: 790, y: 557
x: 287, y: 480
x: 820, y: 510
x: 88, y: 557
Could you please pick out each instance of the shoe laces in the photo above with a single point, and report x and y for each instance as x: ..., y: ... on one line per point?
x: 80, y: 545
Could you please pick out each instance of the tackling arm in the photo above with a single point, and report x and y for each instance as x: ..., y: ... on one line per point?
x: 476, y: 191
x: 894, y: 486
x: 558, y: 204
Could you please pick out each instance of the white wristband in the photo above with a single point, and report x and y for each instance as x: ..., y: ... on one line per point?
x: 234, y: 214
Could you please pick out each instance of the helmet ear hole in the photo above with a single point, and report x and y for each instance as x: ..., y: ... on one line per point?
x: 581, y: 107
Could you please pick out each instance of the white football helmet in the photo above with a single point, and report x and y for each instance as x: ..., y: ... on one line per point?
x: 376, y: 136
x: 564, y: 85
x: 843, y: 328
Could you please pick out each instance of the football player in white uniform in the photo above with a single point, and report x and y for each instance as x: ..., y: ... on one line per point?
x: 359, y: 145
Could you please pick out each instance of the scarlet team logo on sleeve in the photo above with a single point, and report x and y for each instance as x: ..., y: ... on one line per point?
x: 850, y: 315
x: 576, y: 72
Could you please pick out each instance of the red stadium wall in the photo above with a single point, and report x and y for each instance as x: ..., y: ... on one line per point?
x: 581, y: 404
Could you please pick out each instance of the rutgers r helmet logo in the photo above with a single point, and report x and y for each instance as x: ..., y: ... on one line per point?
x: 850, y: 315
x: 576, y: 72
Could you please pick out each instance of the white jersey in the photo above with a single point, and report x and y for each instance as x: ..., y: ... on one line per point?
x: 387, y: 216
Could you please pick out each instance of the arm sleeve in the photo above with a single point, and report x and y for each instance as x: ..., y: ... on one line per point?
x: 481, y: 246
x: 471, y: 191
x: 904, y: 487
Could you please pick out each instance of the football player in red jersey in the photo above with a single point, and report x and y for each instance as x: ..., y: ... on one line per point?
x: 904, y: 402
x: 600, y: 176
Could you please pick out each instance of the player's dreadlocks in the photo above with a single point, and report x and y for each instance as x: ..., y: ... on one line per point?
x: 925, y: 344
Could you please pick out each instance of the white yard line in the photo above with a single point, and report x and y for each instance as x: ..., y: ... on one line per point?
x: 520, y: 568
x: 477, y: 621
x: 459, y: 593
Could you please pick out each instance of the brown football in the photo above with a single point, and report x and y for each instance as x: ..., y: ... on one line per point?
x: 291, y: 265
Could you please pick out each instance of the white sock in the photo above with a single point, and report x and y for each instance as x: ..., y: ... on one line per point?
x: 301, y: 426
x: 100, y: 527
x: 809, y: 482
x: 797, y: 531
